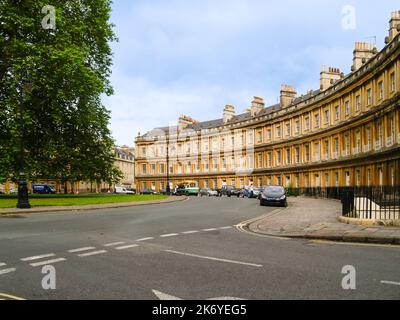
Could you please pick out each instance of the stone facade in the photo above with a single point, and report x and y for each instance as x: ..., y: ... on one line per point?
x: 344, y: 134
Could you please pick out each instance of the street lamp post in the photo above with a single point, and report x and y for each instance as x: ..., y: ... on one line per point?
x: 168, y: 189
x: 23, y: 198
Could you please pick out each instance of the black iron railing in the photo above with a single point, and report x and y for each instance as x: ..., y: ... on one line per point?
x: 377, y: 203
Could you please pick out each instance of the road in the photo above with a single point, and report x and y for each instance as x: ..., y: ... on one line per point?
x: 187, y: 250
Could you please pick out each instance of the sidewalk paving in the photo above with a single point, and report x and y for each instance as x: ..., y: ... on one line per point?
x: 49, y: 209
x: 312, y: 218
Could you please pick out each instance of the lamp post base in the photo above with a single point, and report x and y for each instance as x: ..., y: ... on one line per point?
x: 23, y: 200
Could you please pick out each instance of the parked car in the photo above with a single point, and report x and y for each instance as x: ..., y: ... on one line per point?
x: 235, y: 192
x: 229, y: 192
x: 43, y: 189
x: 187, y: 188
x: 179, y: 191
x: 147, y: 191
x: 208, y: 192
x: 13, y: 191
x: 251, y: 192
x: 131, y: 189
x: 273, y: 195
x: 122, y: 190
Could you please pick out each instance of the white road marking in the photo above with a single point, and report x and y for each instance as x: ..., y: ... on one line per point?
x: 7, y: 270
x: 127, y: 247
x: 81, y: 249
x: 48, y: 262
x: 114, y: 244
x: 212, y: 229
x: 227, y: 299
x: 390, y: 282
x: 165, y: 297
x: 190, y: 232
x: 225, y: 228
x: 38, y: 257
x: 2, y: 264
x: 93, y: 253
x: 145, y: 239
x: 215, y: 259
x: 169, y: 235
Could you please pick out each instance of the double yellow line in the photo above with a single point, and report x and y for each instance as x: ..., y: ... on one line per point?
x: 4, y: 296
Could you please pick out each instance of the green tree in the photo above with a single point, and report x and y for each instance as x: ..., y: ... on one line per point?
x: 66, y: 124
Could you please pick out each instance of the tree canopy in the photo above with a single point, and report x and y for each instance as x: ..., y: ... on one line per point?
x: 64, y: 122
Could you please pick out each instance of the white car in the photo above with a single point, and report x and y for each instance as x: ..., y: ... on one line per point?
x: 121, y: 190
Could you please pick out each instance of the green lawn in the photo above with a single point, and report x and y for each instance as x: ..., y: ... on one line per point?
x: 7, y: 201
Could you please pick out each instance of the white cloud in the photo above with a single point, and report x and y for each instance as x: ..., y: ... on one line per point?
x: 193, y: 57
x: 141, y: 106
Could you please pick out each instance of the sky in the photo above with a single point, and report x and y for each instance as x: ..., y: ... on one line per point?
x: 193, y: 57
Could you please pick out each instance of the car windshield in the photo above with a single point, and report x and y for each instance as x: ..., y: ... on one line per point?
x: 274, y: 190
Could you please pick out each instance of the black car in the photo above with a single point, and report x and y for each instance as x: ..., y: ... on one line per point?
x: 273, y: 195
x: 229, y: 192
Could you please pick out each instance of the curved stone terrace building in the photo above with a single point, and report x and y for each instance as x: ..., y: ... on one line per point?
x: 346, y: 133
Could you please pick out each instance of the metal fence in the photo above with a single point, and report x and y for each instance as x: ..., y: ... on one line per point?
x: 376, y: 203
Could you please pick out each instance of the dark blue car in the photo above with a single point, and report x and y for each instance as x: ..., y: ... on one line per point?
x: 43, y: 189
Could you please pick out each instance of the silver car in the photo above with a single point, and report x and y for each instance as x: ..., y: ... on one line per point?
x: 208, y: 192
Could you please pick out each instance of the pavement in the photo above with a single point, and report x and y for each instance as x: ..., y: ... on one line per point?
x: 189, y: 250
x: 13, y: 211
x: 311, y: 218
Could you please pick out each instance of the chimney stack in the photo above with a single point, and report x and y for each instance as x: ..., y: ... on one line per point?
x: 394, y: 23
x: 288, y: 94
x: 362, y: 53
x: 329, y: 76
x: 185, y: 121
x: 257, y: 105
x: 229, y: 113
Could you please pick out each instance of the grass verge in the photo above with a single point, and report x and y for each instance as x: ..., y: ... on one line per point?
x: 76, y: 200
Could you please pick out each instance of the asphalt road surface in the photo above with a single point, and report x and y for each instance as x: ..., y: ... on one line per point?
x: 187, y: 250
